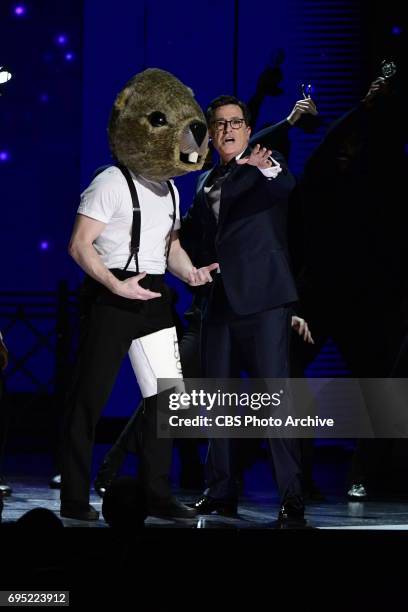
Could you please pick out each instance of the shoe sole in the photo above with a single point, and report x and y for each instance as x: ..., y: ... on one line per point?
x: 170, y: 516
x: 76, y: 517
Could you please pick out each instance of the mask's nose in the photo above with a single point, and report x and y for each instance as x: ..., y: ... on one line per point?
x: 199, y: 131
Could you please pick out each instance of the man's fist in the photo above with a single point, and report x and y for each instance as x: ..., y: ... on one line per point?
x: 302, y: 107
x: 378, y: 87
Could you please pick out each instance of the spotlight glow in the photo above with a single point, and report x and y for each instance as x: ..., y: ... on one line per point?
x: 69, y: 56
x: 20, y: 10
x: 62, y: 39
x: 396, y: 30
x: 44, y: 245
x: 4, y: 156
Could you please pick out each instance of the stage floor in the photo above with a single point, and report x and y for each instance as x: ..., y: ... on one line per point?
x: 256, y: 511
x: 240, y: 559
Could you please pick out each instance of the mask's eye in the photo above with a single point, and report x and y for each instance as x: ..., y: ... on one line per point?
x: 157, y: 119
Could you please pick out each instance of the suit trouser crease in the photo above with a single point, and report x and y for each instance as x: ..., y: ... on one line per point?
x: 262, y: 340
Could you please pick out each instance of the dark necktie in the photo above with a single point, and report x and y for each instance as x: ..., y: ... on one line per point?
x: 218, y: 176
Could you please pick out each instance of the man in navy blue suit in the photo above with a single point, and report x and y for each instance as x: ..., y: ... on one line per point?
x: 239, y: 218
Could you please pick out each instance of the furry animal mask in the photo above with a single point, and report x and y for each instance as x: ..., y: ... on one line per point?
x: 156, y: 127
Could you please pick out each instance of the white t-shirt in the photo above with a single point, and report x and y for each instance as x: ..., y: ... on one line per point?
x: 108, y: 199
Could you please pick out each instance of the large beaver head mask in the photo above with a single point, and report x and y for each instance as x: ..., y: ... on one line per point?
x: 156, y: 127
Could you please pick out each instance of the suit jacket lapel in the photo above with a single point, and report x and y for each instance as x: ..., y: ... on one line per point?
x: 231, y: 188
x: 208, y: 214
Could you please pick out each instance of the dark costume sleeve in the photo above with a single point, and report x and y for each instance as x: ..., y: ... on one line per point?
x: 274, y: 137
x: 321, y: 163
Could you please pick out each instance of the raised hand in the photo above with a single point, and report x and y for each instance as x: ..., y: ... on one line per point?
x: 378, y: 87
x: 202, y: 275
x: 306, y: 106
x: 259, y: 157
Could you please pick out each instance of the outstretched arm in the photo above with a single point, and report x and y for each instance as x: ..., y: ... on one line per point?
x: 354, y: 122
x: 273, y: 134
x: 181, y: 266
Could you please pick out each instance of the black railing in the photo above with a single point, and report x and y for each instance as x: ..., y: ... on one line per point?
x: 39, y: 328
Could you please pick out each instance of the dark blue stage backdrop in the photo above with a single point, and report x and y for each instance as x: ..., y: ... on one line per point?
x: 70, y: 58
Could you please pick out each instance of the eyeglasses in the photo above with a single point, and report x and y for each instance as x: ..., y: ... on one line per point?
x: 221, y: 124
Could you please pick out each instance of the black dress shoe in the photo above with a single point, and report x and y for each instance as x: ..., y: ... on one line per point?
x: 55, y: 482
x: 105, y: 476
x: 5, y: 489
x: 210, y: 505
x: 357, y: 492
x: 292, y: 515
x: 101, y: 484
x: 80, y: 512
x: 170, y: 508
x: 100, y: 487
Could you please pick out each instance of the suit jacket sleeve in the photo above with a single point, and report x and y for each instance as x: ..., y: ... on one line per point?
x: 285, y: 182
x: 270, y: 136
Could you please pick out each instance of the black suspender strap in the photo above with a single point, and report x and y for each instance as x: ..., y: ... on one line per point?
x: 136, y: 223
x: 173, y: 197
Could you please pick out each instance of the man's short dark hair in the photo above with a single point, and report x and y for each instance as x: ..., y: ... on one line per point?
x: 223, y: 101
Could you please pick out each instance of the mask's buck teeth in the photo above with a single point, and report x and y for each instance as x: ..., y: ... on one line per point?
x: 193, y: 157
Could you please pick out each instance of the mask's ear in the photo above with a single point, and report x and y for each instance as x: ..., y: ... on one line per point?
x: 122, y: 99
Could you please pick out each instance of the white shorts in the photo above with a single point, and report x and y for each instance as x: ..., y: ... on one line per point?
x: 155, y: 356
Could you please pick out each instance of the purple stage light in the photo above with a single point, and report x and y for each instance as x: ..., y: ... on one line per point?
x: 44, y: 245
x: 44, y: 97
x: 69, y: 56
x: 4, y: 156
x: 20, y: 10
x: 62, y: 39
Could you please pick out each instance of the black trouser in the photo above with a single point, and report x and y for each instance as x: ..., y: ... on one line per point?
x: 366, y: 331
x: 108, y: 326
x: 129, y: 439
x: 260, y: 341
